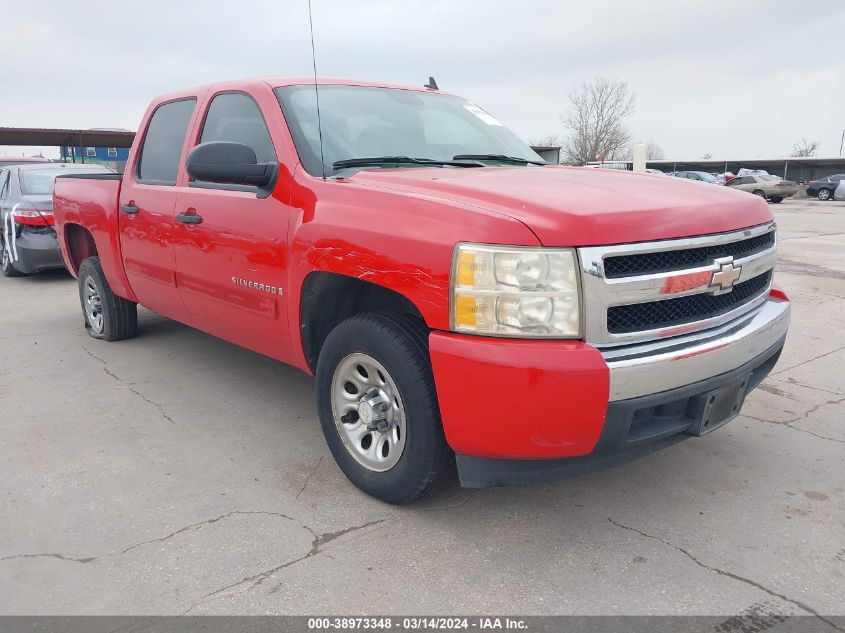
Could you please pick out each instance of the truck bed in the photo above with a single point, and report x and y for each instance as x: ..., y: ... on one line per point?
x: 87, y: 223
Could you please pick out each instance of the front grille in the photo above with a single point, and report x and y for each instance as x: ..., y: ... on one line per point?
x: 664, y: 261
x: 668, y: 312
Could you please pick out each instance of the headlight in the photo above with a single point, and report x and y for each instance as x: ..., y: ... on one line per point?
x: 515, y: 291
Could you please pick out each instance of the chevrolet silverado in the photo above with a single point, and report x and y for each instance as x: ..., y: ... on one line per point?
x: 459, y: 302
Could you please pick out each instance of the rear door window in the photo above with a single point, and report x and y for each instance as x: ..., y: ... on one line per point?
x: 235, y: 117
x: 158, y: 162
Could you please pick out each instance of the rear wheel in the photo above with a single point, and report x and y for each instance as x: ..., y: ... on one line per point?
x: 9, y: 269
x: 107, y: 316
x: 824, y: 194
x: 378, y: 406
x: 777, y: 199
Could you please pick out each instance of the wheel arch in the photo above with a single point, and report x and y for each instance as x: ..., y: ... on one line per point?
x: 328, y: 298
x: 79, y: 245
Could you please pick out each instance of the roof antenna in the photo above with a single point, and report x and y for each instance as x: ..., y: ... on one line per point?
x: 431, y: 85
x: 316, y: 90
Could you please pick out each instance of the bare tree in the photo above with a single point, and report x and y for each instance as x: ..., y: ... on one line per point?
x: 597, y: 111
x: 547, y: 140
x: 707, y: 156
x: 653, y: 151
x: 805, y: 149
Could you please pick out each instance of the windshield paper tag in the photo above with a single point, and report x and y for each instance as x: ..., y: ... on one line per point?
x: 481, y: 114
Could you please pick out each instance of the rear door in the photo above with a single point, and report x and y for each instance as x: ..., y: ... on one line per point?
x: 231, y: 254
x: 147, y: 202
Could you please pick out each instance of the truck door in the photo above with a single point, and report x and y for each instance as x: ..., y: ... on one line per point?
x: 231, y: 251
x: 147, y: 210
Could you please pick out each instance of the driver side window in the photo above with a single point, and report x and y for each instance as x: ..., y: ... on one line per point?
x: 236, y: 118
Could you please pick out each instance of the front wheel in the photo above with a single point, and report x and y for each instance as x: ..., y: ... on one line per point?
x: 378, y: 406
x: 107, y: 316
x: 760, y: 193
x: 824, y: 194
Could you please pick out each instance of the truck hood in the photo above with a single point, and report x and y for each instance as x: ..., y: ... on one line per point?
x: 573, y: 206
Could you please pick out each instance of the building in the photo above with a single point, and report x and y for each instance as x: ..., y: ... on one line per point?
x: 114, y: 157
x: 549, y: 153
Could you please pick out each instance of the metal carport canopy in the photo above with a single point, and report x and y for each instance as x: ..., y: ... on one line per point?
x: 59, y: 137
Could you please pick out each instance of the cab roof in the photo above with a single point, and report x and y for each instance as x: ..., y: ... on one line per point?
x: 279, y: 82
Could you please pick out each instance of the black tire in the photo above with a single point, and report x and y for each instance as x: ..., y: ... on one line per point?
x: 776, y: 200
x: 119, y: 315
x: 400, y: 344
x: 824, y: 194
x: 760, y: 192
x: 8, y: 267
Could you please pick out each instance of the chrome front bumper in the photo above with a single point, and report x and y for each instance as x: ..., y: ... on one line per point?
x: 649, y: 368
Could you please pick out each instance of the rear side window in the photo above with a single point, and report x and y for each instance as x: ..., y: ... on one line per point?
x: 235, y: 117
x: 158, y: 162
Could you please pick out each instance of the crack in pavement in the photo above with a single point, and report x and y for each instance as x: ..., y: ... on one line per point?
x: 462, y: 501
x: 803, y: 416
x: 811, y: 270
x: 808, y: 237
x: 130, y: 386
x: 320, y: 540
x: 58, y: 556
x: 194, y: 526
x: 753, y: 583
x: 308, y: 478
x: 792, y: 381
x: 833, y: 351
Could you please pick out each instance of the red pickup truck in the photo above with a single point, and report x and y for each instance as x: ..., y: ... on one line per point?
x: 460, y: 302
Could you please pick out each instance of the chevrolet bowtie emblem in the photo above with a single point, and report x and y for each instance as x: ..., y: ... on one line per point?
x: 724, y: 278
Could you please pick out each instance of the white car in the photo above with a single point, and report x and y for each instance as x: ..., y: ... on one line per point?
x: 839, y: 194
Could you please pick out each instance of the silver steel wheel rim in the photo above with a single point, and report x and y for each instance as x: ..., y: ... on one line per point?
x: 6, y: 259
x: 368, y: 412
x: 824, y: 194
x: 93, y: 304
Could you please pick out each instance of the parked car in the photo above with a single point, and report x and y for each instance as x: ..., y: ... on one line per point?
x: 701, y: 176
x: 823, y: 188
x: 459, y: 300
x: 654, y: 172
x: 768, y: 187
x: 839, y: 194
x: 27, y: 239
x: 5, y: 161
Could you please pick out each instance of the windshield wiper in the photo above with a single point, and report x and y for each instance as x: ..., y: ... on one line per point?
x: 393, y: 160
x: 499, y: 157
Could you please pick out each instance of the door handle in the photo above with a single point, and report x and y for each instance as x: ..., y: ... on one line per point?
x: 129, y: 209
x: 189, y: 218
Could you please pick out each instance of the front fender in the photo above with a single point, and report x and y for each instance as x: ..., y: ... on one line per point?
x: 401, y: 241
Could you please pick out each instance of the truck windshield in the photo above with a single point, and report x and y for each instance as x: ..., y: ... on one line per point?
x: 362, y: 122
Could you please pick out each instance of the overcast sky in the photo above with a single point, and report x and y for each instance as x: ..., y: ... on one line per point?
x: 735, y: 79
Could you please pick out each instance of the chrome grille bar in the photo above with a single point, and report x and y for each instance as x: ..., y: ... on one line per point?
x: 601, y: 293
